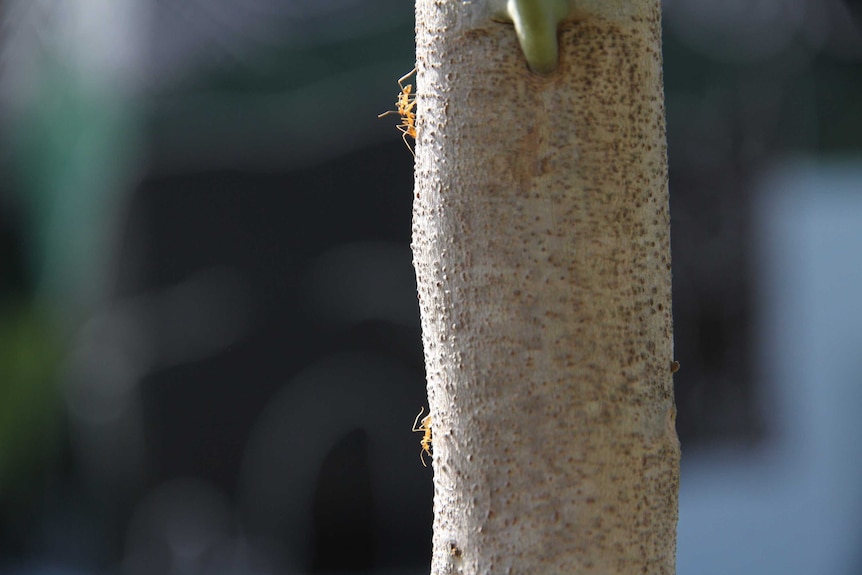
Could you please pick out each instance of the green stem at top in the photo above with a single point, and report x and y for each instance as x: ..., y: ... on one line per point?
x: 536, y: 24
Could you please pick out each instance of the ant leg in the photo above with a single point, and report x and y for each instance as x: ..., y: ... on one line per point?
x: 404, y: 134
x: 405, y: 76
x: 415, y: 421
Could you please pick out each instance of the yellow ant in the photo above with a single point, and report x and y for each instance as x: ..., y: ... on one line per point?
x: 405, y: 107
x: 425, y: 428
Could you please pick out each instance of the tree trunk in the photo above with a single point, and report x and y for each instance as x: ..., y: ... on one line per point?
x: 542, y: 252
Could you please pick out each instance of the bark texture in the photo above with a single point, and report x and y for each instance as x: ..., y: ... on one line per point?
x: 542, y: 252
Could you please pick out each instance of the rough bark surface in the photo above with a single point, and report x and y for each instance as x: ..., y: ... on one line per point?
x: 542, y: 252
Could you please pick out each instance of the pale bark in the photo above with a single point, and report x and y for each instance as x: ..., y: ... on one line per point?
x: 542, y: 253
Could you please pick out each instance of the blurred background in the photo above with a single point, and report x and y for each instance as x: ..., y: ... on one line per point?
x: 210, y: 354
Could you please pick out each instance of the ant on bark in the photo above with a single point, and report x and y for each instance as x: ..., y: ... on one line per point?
x: 424, y: 427
x: 405, y: 106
